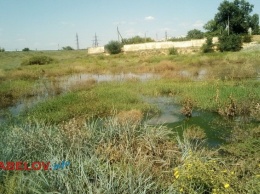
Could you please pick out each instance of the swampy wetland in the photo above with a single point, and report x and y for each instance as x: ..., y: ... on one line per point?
x: 130, y: 123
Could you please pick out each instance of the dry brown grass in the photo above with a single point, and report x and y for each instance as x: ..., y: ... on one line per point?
x: 164, y: 66
x: 132, y: 117
x: 25, y: 74
x: 256, y: 38
x: 150, y: 147
x: 84, y: 85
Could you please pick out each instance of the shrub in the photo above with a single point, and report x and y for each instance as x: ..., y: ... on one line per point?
x: 247, y: 38
x: 26, y: 49
x: 67, y: 48
x: 173, y: 51
x: 114, y: 47
x: 2, y: 50
x: 38, y: 60
x: 231, y: 42
x: 208, y: 46
x: 195, y: 34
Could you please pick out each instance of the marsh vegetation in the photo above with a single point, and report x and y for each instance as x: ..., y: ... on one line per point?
x: 102, y: 126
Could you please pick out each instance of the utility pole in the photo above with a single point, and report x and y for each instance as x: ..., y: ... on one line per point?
x: 119, y: 35
x: 77, y: 41
x: 95, y: 41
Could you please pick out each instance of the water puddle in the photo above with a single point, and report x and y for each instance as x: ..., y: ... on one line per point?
x: 212, y: 124
x: 47, y: 88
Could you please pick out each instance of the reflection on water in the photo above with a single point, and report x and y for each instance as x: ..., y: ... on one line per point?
x: 212, y: 124
x: 47, y: 88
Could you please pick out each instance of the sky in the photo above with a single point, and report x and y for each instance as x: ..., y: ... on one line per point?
x: 53, y: 24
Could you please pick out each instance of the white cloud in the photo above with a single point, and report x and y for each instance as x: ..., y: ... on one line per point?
x: 148, y: 18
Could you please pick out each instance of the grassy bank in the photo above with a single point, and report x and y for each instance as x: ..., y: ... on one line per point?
x: 125, y: 156
x: 224, y: 66
x: 104, y: 99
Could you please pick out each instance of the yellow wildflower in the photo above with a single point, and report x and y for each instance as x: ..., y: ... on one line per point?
x: 176, y: 174
x: 226, y: 185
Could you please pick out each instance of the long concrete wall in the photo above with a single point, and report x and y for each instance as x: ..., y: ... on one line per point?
x: 156, y: 45
x: 165, y: 45
x: 96, y: 50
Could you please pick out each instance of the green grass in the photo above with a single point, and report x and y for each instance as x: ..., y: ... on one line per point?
x: 117, y: 153
x: 109, y: 157
x: 102, y: 100
x: 224, y: 66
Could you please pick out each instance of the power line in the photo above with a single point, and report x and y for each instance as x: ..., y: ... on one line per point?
x: 119, y: 35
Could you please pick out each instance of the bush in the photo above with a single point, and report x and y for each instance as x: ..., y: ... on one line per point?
x: 114, y: 47
x: 247, y: 38
x: 231, y: 42
x: 2, y: 50
x: 195, y: 34
x: 137, y: 40
x: 26, y: 49
x: 173, y: 51
x: 38, y: 60
x: 208, y: 46
x: 67, y: 48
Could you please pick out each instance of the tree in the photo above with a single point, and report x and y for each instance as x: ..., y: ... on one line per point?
x: 212, y: 28
x: 2, y: 50
x: 26, y: 49
x: 208, y: 46
x: 234, y: 17
x: 195, y: 34
x: 67, y: 48
x: 113, y: 47
x: 232, y: 42
x: 255, y: 24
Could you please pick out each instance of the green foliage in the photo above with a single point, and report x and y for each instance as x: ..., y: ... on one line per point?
x: 114, y: 47
x: 230, y: 42
x: 26, y: 49
x: 208, y: 46
x: 67, y: 48
x: 195, y: 34
x: 178, y: 39
x: 2, y: 50
x: 247, y: 38
x: 173, y: 51
x: 105, y: 157
x: 38, y: 60
x: 235, y: 13
x: 255, y: 24
x: 137, y: 40
x: 212, y: 28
